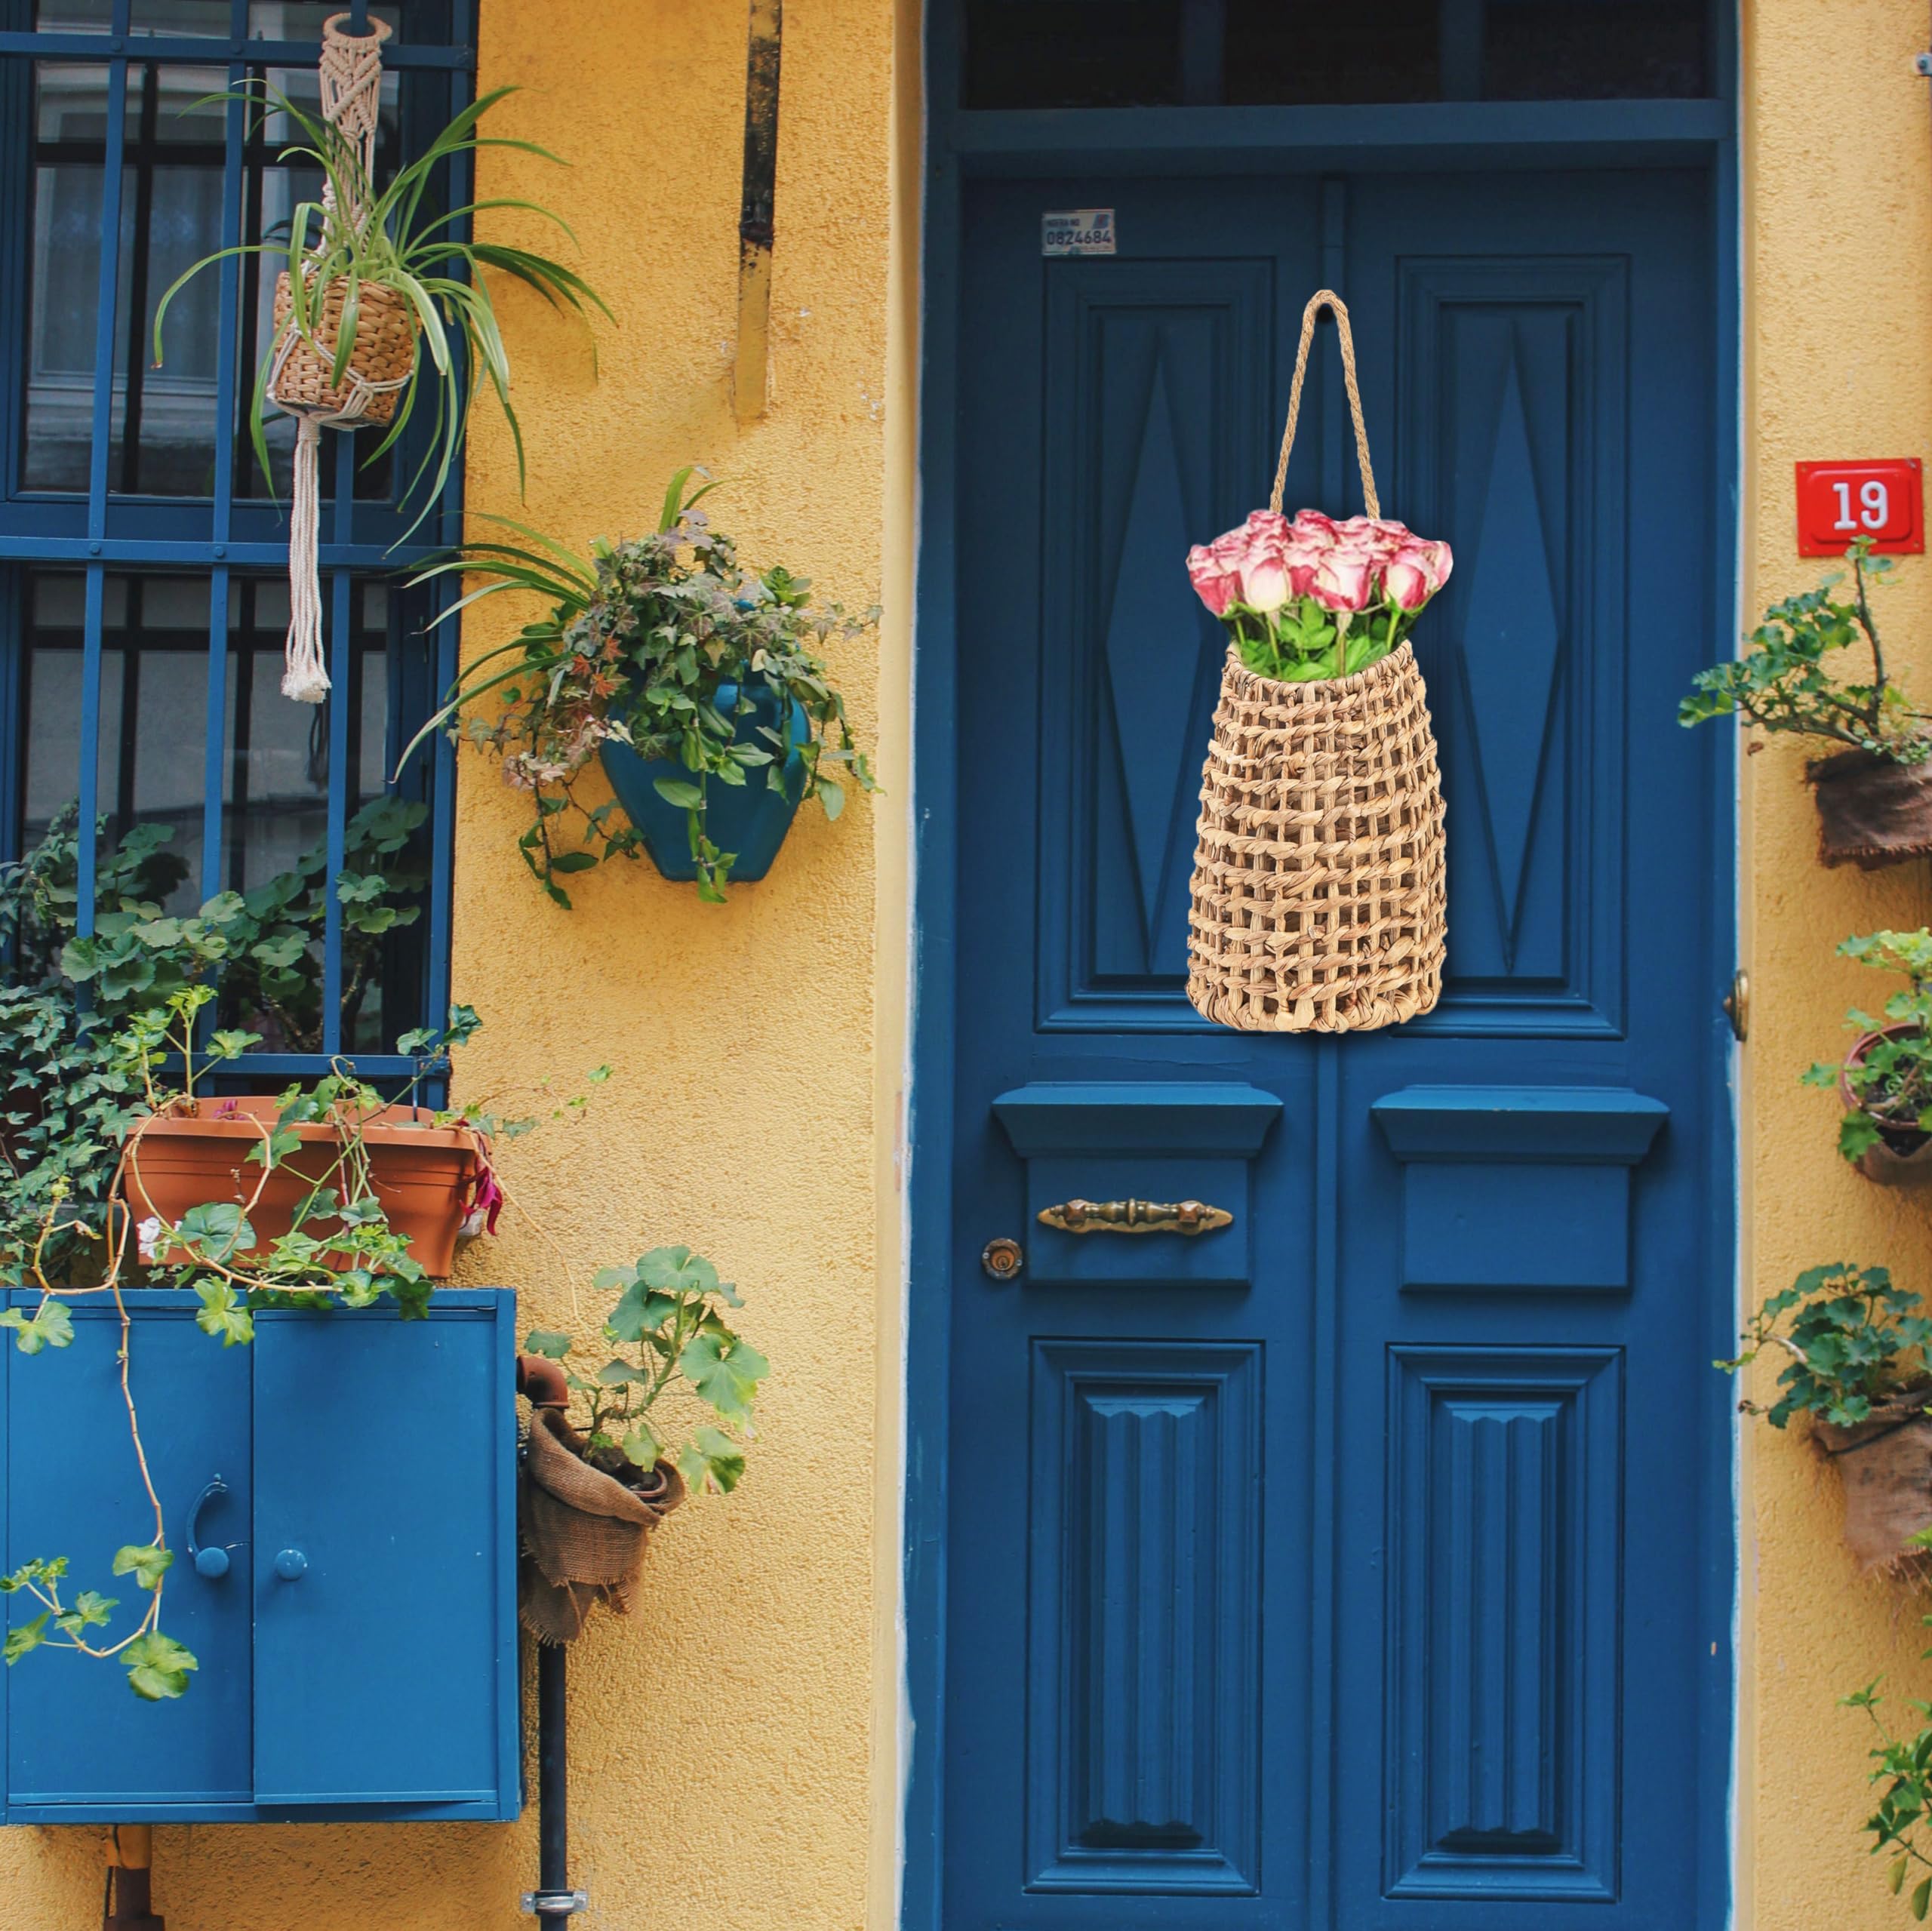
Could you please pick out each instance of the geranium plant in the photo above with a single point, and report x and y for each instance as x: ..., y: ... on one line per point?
x: 667, y: 644
x: 1855, y: 1341
x: 673, y: 1315
x: 1784, y: 683
x: 1312, y: 598
x: 1888, y: 1074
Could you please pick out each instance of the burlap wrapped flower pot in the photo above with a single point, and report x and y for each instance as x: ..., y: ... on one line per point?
x: 1318, y: 903
x: 584, y: 1532
x: 1884, y: 1464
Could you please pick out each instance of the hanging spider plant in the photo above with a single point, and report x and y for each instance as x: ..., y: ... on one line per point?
x: 396, y: 241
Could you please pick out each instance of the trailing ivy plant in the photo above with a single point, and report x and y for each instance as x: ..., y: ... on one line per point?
x: 1854, y: 1340
x: 1784, y: 683
x: 671, y: 1314
x: 1892, y: 1078
x: 640, y: 640
x: 262, y: 945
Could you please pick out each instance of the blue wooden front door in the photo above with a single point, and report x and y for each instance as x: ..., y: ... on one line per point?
x: 1366, y: 1562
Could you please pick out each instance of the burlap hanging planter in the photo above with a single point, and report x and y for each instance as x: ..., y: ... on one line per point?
x: 1885, y: 1466
x: 1318, y: 901
x: 584, y: 1532
x: 1872, y: 811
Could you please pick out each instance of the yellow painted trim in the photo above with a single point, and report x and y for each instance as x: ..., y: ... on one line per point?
x: 892, y: 942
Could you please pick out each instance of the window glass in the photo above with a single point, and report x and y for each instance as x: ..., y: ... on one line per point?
x: 150, y: 766
x: 162, y: 420
x: 1237, y: 53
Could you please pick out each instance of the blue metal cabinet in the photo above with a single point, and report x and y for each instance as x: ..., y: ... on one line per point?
x: 358, y: 1651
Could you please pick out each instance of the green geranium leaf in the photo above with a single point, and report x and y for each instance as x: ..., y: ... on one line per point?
x: 223, y: 1313
x: 49, y: 1326
x: 146, y: 1562
x: 26, y: 1636
x: 712, y: 1459
x: 725, y: 1373
x: 553, y: 1346
x: 158, y: 1666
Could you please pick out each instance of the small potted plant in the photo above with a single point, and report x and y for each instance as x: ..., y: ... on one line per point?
x: 1885, y: 1081
x: 1874, y: 794
x: 1859, y: 1370
x: 698, y: 683
x: 596, y: 1484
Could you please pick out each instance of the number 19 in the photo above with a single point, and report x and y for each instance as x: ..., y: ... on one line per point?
x: 1875, y: 505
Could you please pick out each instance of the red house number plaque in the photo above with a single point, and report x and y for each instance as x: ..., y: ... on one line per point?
x: 1838, y: 502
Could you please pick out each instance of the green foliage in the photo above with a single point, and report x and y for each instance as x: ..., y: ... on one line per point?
x: 398, y: 239
x: 669, y: 1312
x: 640, y: 640
x: 1892, y: 1080
x: 1784, y: 683
x: 1901, y: 1826
x: 263, y: 946
x: 157, y: 1666
x: 1854, y: 1339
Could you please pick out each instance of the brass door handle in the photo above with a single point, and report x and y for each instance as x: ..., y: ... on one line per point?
x: 1135, y: 1217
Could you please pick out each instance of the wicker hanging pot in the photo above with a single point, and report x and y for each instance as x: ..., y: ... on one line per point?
x: 301, y: 379
x: 1317, y: 900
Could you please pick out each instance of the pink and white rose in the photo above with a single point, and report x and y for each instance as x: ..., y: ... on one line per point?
x: 1344, y: 579
x: 1216, y: 575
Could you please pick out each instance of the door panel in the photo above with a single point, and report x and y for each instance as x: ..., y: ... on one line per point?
x: 378, y: 1396
x: 1294, y: 1581
x: 76, y: 1733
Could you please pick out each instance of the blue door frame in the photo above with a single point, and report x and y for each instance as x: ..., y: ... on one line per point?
x: 960, y: 147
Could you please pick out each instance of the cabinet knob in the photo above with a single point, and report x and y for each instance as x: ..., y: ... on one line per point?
x: 211, y: 1562
x: 291, y: 1564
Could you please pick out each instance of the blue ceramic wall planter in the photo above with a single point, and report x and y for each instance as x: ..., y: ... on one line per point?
x: 341, y: 1493
x: 750, y: 820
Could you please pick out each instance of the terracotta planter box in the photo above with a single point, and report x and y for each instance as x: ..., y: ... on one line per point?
x: 422, y: 1173
x: 1872, y: 812
x: 1903, y: 1156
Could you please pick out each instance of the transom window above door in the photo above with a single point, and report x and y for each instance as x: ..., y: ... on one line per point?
x: 1296, y: 53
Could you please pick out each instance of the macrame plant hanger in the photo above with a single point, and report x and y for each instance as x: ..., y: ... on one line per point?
x: 351, y: 75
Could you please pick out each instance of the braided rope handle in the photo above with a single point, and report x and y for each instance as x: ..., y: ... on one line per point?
x: 1326, y: 298
x: 350, y: 71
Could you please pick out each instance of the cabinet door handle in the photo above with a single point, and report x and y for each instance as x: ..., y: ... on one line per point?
x: 1135, y: 1217
x: 291, y: 1564
x: 209, y: 1562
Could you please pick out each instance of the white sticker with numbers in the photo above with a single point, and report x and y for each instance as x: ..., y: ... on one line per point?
x: 1077, y: 231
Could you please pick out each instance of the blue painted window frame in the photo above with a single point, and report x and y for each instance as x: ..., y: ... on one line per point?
x: 224, y: 536
x: 962, y: 144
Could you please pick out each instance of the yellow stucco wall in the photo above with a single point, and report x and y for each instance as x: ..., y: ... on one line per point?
x: 1837, y: 239
x: 731, y: 1741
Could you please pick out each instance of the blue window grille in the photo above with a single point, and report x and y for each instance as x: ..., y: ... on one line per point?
x: 143, y: 556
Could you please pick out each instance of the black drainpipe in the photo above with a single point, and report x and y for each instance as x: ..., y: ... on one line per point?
x: 554, y: 1900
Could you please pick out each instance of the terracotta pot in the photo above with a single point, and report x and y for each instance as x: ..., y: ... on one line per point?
x: 1872, y: 812
x: 422, y: 1173
x: 1903, y: 1156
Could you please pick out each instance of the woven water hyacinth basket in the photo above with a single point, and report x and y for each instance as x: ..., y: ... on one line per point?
x: 1317, y: 900
x: 1317, y: 903
x: 380, y: 362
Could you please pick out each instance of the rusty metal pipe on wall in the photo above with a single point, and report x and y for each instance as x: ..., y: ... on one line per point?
x: 751, y: 369
x: 130, y: 1900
